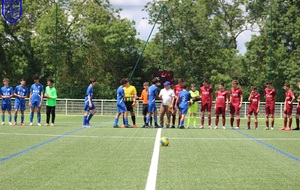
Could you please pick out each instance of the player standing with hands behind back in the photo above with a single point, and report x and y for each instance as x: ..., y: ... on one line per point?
x: 288, y: 107
x: 236, y: 99
x: 21, y: 92
x: 6, y: 94
x: 206, y: 93
x: 270, y: 95
x: 51, y: 95
x: 254, y: 99
x: 36, y: 99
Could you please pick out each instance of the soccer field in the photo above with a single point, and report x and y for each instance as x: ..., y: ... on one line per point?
x: 68, y: 156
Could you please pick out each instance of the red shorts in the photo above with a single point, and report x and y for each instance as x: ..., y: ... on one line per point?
x: 298, y: 110
x: 270, y: 109
x: 220, y: 111
x: 288, y: 111
x: 252, y: 110
x: 234, y: 109
x: 206, y: 107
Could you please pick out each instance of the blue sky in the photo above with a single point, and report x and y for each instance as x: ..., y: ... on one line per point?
x: 132, y: 10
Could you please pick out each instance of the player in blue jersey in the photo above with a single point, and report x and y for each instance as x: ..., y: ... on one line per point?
x: 6, y: 92
x: 89, y: 104
x: 36, y: 99
x: 121, y: 107
x: 21, y: 92
x: 184, y: 102
x: 152, y: 95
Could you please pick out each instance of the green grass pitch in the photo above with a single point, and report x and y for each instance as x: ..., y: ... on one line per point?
x: 68, y: 156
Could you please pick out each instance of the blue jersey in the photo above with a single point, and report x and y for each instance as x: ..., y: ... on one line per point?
x: 22, y: 91
x: 152, y: 93
x: 36, y: 90
x: 184, y: 98
x: 120, y: 95
x: 89, y: 91
x: 6, y: 91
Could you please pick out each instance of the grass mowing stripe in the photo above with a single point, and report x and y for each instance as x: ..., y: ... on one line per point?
x: 270, y: 146
x: 151, y: 181
x: 38, y: 145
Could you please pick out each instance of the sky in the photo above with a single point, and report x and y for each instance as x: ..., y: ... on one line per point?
x: 132, y: 10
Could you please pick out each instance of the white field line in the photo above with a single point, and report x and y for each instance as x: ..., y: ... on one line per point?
x: 135, y: 137
x: 151, y: 181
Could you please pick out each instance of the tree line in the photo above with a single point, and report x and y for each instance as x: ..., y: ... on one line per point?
x: 94, y: 41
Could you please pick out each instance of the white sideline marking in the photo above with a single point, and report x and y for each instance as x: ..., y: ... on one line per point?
x: 151, y: 181
x: 128, y: 137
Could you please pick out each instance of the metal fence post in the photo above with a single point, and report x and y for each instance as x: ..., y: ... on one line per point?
x: 66, y: 106
x: 102, y: 102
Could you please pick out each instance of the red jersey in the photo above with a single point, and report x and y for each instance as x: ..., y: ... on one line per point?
x: 288, y: 97
x: 221, y: 98
x: 298, y: 106
x: 270, y: 95
x: 254, y: 99
x: 177, y: 89
x: 235, y: 94
x: 206, y: 92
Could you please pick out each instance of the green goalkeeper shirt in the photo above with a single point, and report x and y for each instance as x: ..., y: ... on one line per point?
x: 51, y: 92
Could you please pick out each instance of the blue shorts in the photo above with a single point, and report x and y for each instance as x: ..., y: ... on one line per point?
x: 35, y: 104
x: 121, y: 108
x: 152, y: 107
x: 184, y: 110
x: 6, y: 107
x: 87, y: 107
x: 20, y: 105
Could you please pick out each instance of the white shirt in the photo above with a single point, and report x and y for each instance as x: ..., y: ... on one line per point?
x: 167, y: 96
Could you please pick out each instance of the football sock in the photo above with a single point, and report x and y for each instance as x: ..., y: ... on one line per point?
x: 267, y: 123
x: 89, y: 118
x: 22, y: 119
x: 238, y: 122
x: 3, y: 118
x: 297, y: 123
x: 31, y: 117
x: 173, y: 119
x: 84, y: 120
x: 179, y: 119
x: 150, y: 120
x: 15, y: 118
x: 273, y: 123
x: 231, y: 121
x: 223, y: 120
x: 209, y: 120
x: 285, y: 122
x: 145, y: 120
x: 202, y: 121
x: 126, y: 121
x: 248, y: 123
x: 217, y: 120
x: 155, y: 118
x: 189, y: 120
x: 123, y: 120
x: 133, y: 119
x: 256, y: 124
x: 290, y: 122
x: 195, y: 119
x: 9, y: 118
x: 181, y: 122
x: 116, y: 121
x: 39, y: 117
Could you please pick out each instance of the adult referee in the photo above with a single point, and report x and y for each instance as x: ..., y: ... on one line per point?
x: 130, y: 101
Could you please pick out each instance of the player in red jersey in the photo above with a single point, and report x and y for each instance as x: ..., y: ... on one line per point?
x: 270, y: 96
x: 254, y: 99
x: 288, y: 107
x: 206, y: 94
x: 298, y: 111
x: 236, y: 99
x: 177, y: 88
x: 221, y: 105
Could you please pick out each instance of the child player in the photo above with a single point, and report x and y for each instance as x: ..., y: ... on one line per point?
x: 206, y: 94
x: 194, y: 107
x: 254, y: 99
x: 51, y: 95
x: 236, y: 99
x: 177, y: 89
x: 121, y: 107
x: 36, y: 99
x: 184, y: 101
x: 152, y: 95
x: 288, y: 107
x: 89, y: 104
x: 144, y: 97
x: 21, y: 92
x: 270, y: 96
x: 298, y: 111
x: 6, y: 94
x: 221, y: 105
